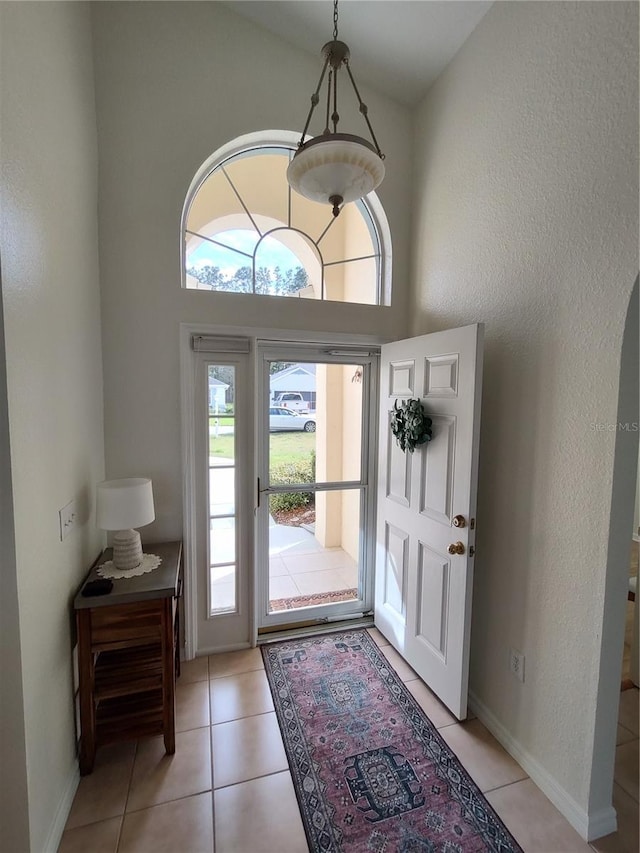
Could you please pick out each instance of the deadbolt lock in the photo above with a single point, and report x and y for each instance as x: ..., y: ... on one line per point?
x: 456, y: 548
x: 459, y: 521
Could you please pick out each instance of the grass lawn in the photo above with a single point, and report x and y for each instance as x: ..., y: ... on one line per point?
x: 283, y: 446
x: 220, y: 420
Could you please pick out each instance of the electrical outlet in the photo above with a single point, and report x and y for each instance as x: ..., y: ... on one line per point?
x: 67, y: 517
x: 516, y: 664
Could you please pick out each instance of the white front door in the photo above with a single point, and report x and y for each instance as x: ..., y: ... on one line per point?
x: 426, y: 505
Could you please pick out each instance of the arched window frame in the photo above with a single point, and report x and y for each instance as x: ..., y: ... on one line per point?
x: 260, y: 143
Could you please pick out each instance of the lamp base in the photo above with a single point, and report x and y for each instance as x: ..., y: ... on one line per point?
x: 127, y: 549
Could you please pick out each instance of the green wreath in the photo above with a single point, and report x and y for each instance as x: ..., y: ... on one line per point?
x: 410, y: 424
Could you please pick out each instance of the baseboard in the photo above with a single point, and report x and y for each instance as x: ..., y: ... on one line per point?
x: 588, y: 826
x: 62, y: 812
x: 214, y: 650
x: 602, y: 823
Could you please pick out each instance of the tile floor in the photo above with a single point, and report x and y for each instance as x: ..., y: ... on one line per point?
x: 305, y: 570
x: 228, y: 786
x: 328, y: 570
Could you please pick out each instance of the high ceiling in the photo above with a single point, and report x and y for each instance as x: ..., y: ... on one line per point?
x: 398, y: 46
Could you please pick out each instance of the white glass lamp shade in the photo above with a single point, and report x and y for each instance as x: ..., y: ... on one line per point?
x: 338, y: 165
x: 122, y: 505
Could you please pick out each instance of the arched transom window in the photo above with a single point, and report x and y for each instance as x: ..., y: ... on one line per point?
x: 246, y: 231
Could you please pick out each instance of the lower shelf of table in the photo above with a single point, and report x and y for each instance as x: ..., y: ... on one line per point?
x: 123, y: 672
x: 129, y: 717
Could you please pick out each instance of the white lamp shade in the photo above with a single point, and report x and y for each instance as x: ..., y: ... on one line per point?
x: 123, y: 504
x: 326, y: 167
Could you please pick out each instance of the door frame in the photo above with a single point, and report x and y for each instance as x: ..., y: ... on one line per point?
x: 188, y: 393
x: 318, y: 353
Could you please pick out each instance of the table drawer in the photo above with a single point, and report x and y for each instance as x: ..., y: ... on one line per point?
x: 126, y: 624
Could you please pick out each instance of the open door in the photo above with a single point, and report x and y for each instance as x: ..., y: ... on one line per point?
x: 426, y: 508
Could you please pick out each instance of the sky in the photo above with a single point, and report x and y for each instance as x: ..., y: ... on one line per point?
x: 271, y: 253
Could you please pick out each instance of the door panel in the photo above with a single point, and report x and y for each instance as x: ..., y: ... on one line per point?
x: 395, y: 569
x: 433, y: 599
x: 423, y: 593
x: 398, y: 472
x: 436, y: 470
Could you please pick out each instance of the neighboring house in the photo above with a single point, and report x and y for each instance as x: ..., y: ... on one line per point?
x: 300, y: 378
x: 217, y: 395
x: 512, y: 199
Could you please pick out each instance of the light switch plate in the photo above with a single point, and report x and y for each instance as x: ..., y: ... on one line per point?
x: 67, y: 519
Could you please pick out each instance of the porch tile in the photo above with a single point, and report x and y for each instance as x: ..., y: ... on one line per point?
x: 277, y: 567
x: 327, y: 559
x: 282, y: 587
x: 329, y: 580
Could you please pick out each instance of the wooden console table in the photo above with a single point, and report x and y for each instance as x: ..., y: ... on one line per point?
x: 128, y: 655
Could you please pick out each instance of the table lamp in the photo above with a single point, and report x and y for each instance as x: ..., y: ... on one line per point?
x: 122, y: 505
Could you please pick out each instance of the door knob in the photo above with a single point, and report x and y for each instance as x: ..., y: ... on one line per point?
x: 456, y: 548
x: 459, y: 521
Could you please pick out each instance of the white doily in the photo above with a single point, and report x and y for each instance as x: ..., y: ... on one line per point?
x: 148, y: 564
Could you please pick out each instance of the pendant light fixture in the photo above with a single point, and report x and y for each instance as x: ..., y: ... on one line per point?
x: 335, y: 168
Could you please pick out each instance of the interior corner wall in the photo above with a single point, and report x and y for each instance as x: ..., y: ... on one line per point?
x: 50, y: 291
x: 175, y: 81
x: 526, y: 218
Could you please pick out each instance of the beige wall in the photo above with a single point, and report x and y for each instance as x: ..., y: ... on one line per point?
x: 174, y: 82
x: 14, y: 812
x: 53, y: 361
x: 526, y: 218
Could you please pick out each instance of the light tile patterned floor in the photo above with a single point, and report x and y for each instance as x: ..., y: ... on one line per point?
x: 297, y: 572
x: 228, y: 787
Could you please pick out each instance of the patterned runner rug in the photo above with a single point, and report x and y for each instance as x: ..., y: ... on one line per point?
x: 371, y: 772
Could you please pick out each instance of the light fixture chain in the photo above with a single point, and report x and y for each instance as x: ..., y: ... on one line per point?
x: 363, y: 109
x: 326, y: 126
x: 315, y: 98
x: 335, y: 20
x: 335, y: 118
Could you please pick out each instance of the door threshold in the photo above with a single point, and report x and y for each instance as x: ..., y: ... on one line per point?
x: 306, y: 629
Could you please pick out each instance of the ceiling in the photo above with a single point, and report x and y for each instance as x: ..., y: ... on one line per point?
x: 397, y: 46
